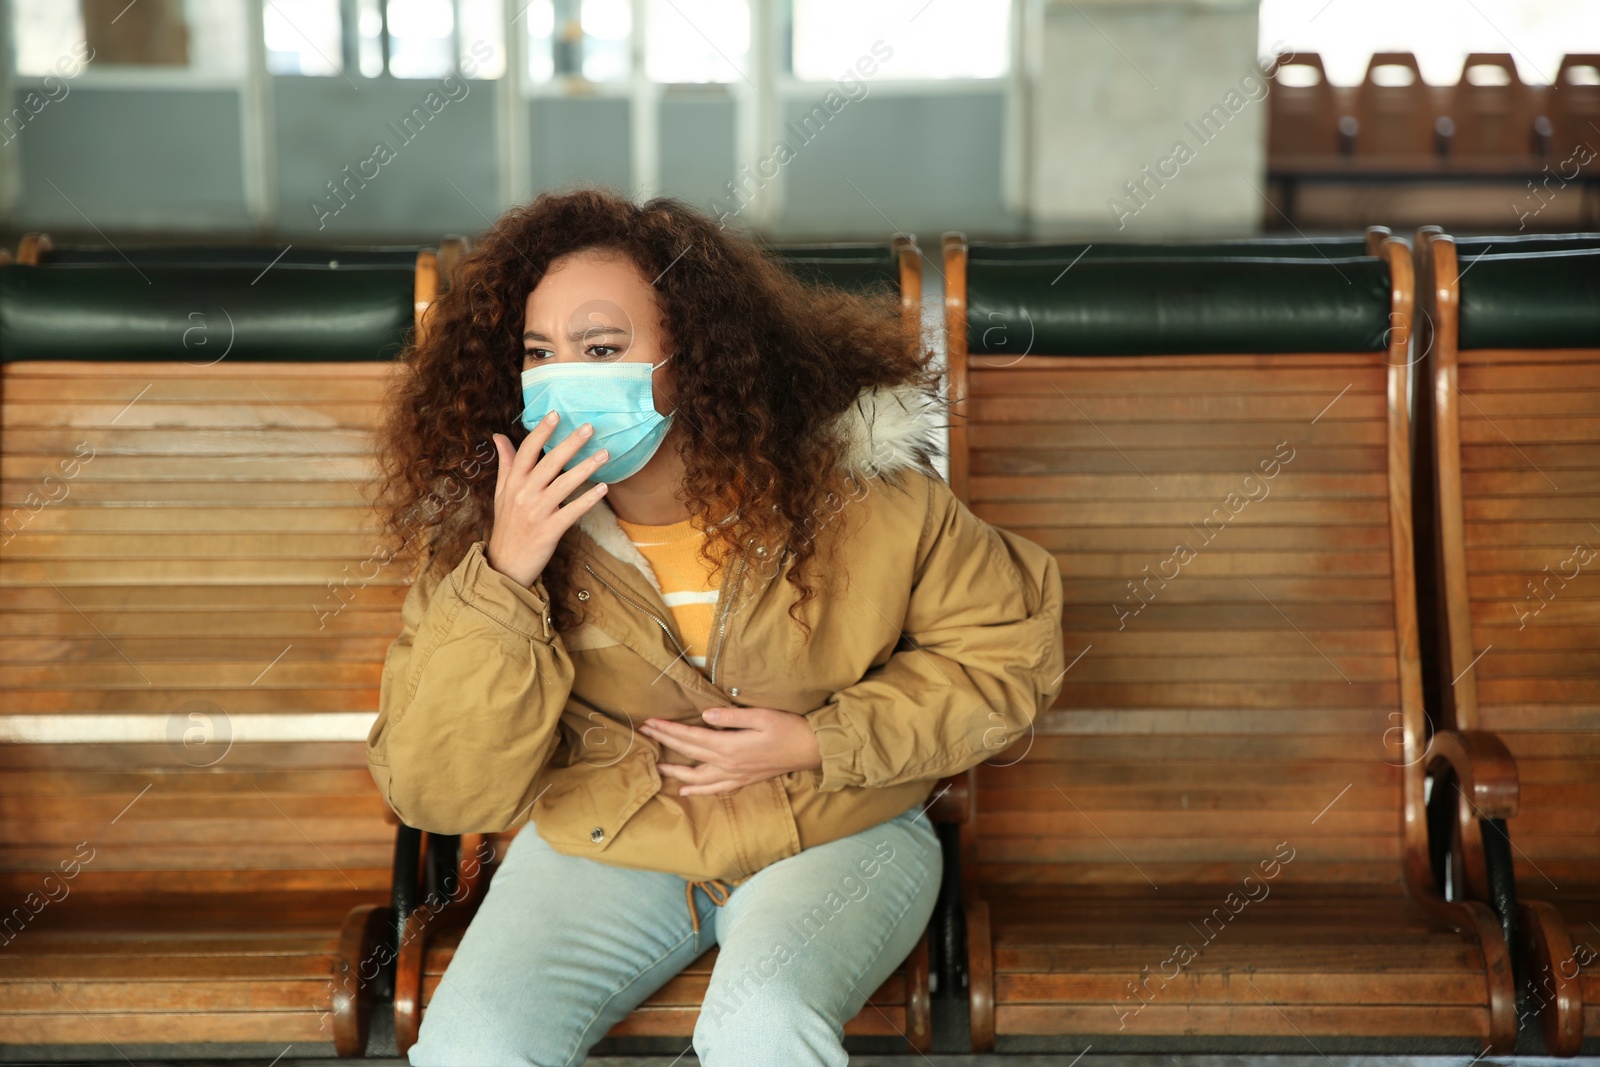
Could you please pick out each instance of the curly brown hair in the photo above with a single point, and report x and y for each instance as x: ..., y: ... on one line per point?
x: 765, y: 362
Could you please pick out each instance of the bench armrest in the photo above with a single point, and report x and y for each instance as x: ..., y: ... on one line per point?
x: 1475, y: 791
x: 952, y: 806
x: 954, y: 799
x: 1483, y: 767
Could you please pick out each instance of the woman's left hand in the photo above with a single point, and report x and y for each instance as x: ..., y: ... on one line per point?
x: 764, y: 743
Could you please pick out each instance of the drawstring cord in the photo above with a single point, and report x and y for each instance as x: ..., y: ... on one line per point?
x: 711, y: 887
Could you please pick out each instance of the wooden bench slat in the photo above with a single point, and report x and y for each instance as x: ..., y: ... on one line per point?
x: 374, y: 881
x: 1213, y: 987
x: 145, y: 994
x: 1298, y: 1021
x: 1150, y: 409
x: 1035, y: 460
x: 1069, y: 433
x: 310, y: 1025
x: 183, y: 517
x: 1076, y: 876
x: 39, y: 604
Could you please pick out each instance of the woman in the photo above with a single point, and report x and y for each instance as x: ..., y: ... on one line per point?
x: 716, y: 622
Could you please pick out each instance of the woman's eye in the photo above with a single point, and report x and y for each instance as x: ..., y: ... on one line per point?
x: 535, y: 354
x: 604, y: 351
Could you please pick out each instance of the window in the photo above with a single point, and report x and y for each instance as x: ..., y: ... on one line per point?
x: 202, y: 36
x: 686, y: 41
x: 302, y: 36
x: 482, y: 29
x: 699, y: 41
x: 930, y: 38
x: 607, y: 27
x: 405, y: 38
x: 1440, y: 32
x: 421, y: 38
x: 44, y: 31
x: 591, y: 40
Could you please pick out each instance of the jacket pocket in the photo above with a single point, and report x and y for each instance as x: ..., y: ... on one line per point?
x: 775, y: 835
x: 586, y: 807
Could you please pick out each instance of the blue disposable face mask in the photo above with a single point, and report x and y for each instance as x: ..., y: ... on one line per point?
x: 617, y: 398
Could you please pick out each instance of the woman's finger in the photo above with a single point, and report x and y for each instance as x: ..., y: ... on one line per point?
x: 564, y: 483
x: 745, y: 718
x: 696, y: 775
x: 549, y: 467
x: 695, y: 741
x: 531, y: 450
x: 505, y: 455
x: 721, y: 785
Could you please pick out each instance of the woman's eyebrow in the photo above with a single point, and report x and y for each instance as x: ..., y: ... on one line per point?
x: 578, y: 335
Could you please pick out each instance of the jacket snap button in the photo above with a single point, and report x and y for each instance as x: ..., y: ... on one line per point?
x: 597, y: 835
x: 762, y: 551
x: 734, y: 691
x: 583, y: 594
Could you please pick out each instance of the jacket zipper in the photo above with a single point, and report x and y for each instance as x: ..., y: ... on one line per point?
x: 722, y: 626
x: 644, y: 608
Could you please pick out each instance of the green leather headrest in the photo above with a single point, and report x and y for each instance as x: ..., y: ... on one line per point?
x: 1525, y: 242
x: 293, y: 313
x: 1153, y: 306
x: 854, y: 266
x: 1531, y: 300
x: 259, y: 256
x: 1273, y: 247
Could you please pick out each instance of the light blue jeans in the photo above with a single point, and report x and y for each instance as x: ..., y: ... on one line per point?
x: 564, y: 947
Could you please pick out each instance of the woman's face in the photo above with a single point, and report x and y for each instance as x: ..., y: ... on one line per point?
x: 595, y: 306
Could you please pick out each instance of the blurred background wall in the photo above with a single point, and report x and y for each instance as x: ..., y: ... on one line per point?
x: 341, y: 121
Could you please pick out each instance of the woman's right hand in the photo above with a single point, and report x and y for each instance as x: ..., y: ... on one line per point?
x: 529, y: 519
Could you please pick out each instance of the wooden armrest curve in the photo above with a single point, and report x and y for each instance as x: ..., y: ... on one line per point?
x: 1483, y: 765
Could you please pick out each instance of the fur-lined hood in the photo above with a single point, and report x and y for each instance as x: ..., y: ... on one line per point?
x: 887, y: 429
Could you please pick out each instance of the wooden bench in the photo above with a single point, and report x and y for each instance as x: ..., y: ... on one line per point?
x: 1575, y: 105
x: 1436, y: 674
x: 452, y: 874
x: 1394, y: 120
x: 1303, y: 120
x: 1490, y: 120
x: 1217, y: 839
x: 1514, y: 368
x: 194, y: 627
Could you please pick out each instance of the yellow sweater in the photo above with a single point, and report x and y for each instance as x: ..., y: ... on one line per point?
x: 688, y: 586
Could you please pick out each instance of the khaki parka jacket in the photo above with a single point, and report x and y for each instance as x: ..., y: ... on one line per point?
x: 937, y: 641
